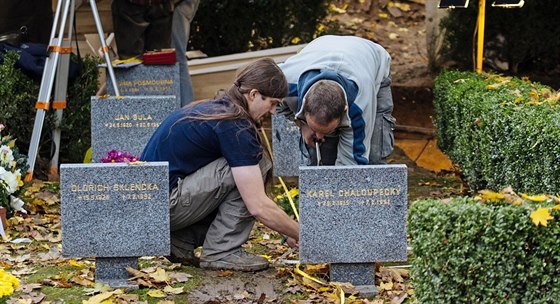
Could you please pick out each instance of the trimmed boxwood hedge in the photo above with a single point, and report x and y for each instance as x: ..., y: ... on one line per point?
x: 470, y: 252
x: 501, y: 131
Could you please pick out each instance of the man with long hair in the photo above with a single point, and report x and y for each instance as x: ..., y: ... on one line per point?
x: 340, y: 97
x: 217, y: 169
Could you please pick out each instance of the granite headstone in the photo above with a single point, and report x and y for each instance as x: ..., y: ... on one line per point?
x: 146, y: 80
x: 115, y: 212
x: 126, y: 123
x: 286, y: 147
x: 352, y: 217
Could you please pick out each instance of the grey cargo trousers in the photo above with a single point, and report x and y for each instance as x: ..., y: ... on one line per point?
x: 207, y: 210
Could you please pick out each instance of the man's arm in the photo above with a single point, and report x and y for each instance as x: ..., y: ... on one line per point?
x: 351, y: 152
x: 250, y: 185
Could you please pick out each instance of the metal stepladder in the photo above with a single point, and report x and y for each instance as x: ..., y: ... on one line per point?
x: 57, y: 63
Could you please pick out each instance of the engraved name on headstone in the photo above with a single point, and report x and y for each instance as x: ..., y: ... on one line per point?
x: 115, y: 212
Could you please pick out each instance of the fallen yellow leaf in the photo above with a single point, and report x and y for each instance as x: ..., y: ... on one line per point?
x: 156, y: 293
x: 403, y: 6
x: 171, y: 290
x: 335, y: 9
x: 160, y: 276
x: 541, y: 216
x: 102, y: 297
x: 386, y: 286
x: 74, y: 263
x: 489, y: 195
x: 534, y: 198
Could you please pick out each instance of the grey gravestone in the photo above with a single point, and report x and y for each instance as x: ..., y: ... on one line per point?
x: 115, y: 212
x: 146, y: 80
x: 285, y: 147
x: 126, y: 123
x: 352, y: 217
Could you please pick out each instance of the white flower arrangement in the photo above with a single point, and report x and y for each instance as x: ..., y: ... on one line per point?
x: 13, y: 167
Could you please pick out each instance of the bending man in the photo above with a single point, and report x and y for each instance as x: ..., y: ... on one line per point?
x: 340, y: 96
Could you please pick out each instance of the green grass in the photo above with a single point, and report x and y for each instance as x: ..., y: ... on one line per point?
x: 73, y: 295
x: 76, y: 294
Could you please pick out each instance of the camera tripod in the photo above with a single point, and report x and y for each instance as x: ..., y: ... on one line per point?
x: 57, y: 63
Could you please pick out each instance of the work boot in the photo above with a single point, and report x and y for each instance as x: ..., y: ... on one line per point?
x: 188, y: 260
x: 239, y: 260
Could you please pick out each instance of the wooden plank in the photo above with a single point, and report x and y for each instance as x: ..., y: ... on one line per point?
x: 233, y: 61
x: 85, y: 23
x: 217, y: 73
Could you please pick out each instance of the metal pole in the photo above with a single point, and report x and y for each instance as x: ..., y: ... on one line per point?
x: 104, y: 47
x: 45, y: 90
x: 60, y: 93
x: 480, y: 40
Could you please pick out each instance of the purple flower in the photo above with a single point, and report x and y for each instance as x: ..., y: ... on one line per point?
x: 116, y: 156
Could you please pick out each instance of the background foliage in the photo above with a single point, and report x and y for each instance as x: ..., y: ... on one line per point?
x: 225, y: 27
x: 500, y: 131
x: 526, y: 38
x: 469, y: 252
x: 18, y: 93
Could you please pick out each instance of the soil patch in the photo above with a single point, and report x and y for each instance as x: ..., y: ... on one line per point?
x: 238, y: 287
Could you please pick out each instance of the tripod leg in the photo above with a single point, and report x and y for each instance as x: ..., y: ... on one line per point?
x: 59, y: 104
x: 104, y: 47
x: 45, y: 89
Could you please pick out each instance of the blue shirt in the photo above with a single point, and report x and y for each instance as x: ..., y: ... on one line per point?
x: 190, y: 144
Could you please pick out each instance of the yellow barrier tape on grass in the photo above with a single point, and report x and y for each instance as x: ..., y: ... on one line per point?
x: 292, y: 204
x: 307, y: 276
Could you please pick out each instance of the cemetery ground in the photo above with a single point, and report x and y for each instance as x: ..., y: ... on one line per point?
x: 46, y: 277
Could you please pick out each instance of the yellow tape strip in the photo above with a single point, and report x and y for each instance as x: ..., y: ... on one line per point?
x: 305, y: 275
x: 336, y: 286
x: 129, y: 60
x: 292, y: 204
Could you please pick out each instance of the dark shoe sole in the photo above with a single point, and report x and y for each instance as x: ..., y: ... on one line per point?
x: 190, y: 261
x: 222, y: 265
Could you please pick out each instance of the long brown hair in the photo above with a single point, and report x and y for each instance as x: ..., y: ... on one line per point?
x: 263, y: 75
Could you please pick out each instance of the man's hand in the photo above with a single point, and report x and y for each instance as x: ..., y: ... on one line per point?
x: 292, y: 243
x: 308, y: 135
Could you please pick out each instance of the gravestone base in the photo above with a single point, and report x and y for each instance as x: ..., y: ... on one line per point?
x: 361, y: 275
x: 366, y: 291
x: 112, y: 271
x: 355, y: 273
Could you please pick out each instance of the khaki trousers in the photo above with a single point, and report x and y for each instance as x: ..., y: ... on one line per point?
x: 207, y: 210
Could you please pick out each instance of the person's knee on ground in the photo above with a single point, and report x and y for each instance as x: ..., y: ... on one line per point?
x: 229, y: 231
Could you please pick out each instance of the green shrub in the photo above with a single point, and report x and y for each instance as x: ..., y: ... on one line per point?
x: 526, y: 38
x: 225, y: 27
x: 500, y: 131
x: 469, y: 252
x: 76, y: 123
x: 18, y: 95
